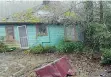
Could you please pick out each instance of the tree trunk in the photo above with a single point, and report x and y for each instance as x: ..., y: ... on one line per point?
x: 101, y: 12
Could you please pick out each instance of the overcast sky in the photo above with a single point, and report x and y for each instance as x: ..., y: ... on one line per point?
x: 8, y: 8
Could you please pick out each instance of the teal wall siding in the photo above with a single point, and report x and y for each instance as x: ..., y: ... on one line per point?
x: 44, y: 39
x: 2, y: 30
x: 54, y: 35
x: 31, y: 33
x: 16, y: 34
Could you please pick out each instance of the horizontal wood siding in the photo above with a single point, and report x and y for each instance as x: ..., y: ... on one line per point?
x: 56, y: 33
x: 31, y: 34
x: 2, y: 30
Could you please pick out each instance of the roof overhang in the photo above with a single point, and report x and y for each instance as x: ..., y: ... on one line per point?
x: 24, y: 23
x: 19, y: 23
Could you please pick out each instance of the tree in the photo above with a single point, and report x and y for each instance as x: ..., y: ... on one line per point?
x: 89, y: 11
x: 101, y: 12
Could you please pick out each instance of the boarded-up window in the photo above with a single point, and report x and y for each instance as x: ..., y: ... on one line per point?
x: 70, y: 34
x: 41, y: 30
x: 9, y: 33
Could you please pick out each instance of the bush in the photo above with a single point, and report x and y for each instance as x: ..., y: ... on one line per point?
x: 37, y: 49
x: 3, y: 47
x: 69, y: 47
x: 27, y: 51
x: 49, y: 49
x: 97, y: 36
x: 41, y: 49
x: 11, y: 49
x: 106, y: 56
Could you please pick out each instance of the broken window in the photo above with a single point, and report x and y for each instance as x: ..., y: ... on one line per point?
x: 41, y: 30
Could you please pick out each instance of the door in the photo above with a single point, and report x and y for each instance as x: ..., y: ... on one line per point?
x: 23, y: 36
x: 9, y: 33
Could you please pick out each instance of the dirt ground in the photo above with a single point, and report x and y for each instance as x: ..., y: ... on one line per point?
x: 20, y: 64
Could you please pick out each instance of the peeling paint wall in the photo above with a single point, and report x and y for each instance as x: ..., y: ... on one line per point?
x: 54, y: 34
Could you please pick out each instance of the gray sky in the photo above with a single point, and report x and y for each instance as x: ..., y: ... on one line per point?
x: 8, y: 8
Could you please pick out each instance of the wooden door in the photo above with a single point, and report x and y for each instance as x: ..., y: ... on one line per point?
x: 9, y: 33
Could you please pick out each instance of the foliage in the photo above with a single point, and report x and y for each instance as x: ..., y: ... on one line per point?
x: 11, y: 49
x: 27, y: 16
x: 1, y: 38
x: 69, y: 47
x: 97, y: 36
x: 107, y: 17
x: 68, y: 13
x: 37, y: 49
x: 27, y: 51
x: 87, y: 49
x: 48, y: 49
x: 4, y: 19
x: 3, y: 47
x: 41, y: 49
x: 88, y: 6
x: 106, y: 57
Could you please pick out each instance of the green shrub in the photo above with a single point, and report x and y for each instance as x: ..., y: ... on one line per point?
x: 68, y: 47
x: 49, y: 49
x: 37, y: 49
x: 97, y: 36
x: 27, y: 51
x: 11, y: 49
x: 106, y: 56
x: 3, y: 47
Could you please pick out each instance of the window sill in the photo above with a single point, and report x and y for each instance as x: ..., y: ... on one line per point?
x: 42, y: 35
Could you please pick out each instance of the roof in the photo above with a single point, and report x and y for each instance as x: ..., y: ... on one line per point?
x: 39, y: 13
x: 10, y: 7
x: 18, y: 23
x: 52, y: 12
x: 25, y: 23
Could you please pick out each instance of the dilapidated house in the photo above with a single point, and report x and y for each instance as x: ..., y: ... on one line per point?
x: 44, y: 24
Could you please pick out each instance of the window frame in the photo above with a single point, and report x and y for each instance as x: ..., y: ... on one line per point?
x: 37, y: 30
